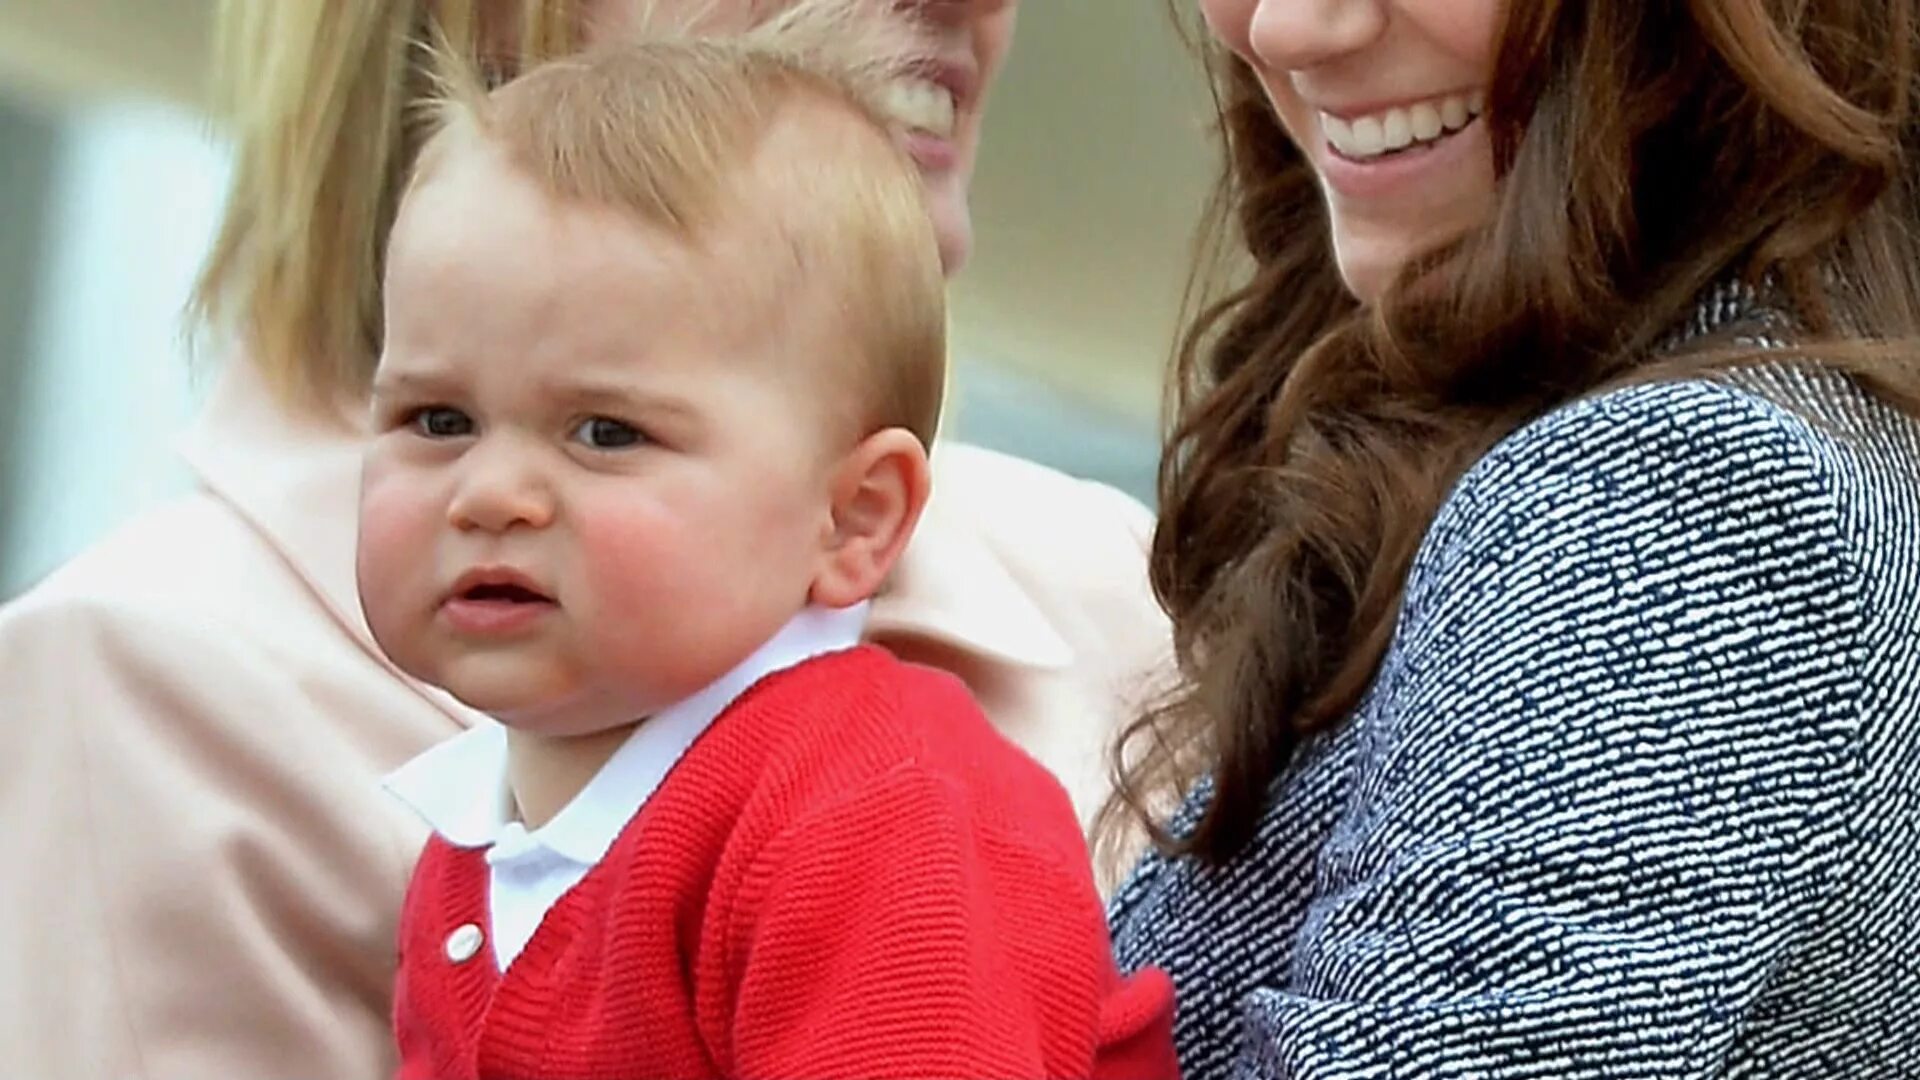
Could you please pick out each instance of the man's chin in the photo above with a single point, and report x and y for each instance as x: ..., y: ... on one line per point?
x: 953, y: 229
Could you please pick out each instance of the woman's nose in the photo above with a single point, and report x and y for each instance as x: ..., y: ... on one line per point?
x: 1299, y: 35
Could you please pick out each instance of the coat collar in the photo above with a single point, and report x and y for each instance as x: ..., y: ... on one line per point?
x: 295, y: 479
x: 952, y: 586
x: 1752, y: 314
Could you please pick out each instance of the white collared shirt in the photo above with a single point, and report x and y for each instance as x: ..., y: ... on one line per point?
x: 460, y: 786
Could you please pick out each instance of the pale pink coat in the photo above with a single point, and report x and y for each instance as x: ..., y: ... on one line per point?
x: 199, y: 873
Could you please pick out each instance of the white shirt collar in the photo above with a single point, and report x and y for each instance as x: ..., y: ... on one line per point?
x: 460, y: 786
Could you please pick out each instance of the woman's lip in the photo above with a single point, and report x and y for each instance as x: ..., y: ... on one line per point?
x: 494, y: 618
x: 1356, y: 110
x: 1393, y: 174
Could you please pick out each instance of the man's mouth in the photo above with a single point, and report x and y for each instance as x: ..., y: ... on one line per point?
x: 922, y: 105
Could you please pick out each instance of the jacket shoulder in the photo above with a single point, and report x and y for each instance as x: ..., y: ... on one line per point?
x: 1040, y: 511
x: 190, y: 559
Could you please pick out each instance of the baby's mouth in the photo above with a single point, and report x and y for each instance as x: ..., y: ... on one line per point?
x: 498, y: 587
x: 495, y: 603
x: 505, y: 593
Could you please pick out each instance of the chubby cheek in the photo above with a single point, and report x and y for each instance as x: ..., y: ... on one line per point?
x: 644, y: 575
x: 683, y: 590
x: 394, y: 562
x: 628, y: 552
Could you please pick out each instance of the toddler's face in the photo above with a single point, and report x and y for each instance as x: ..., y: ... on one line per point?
x: 598, y: 479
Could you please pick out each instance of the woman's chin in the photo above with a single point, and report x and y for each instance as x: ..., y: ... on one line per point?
x: 1367, y: 278
x: 1371, y: 246
x: 1369, y: 265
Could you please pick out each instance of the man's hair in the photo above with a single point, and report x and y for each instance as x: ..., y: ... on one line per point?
x: 668, y: 124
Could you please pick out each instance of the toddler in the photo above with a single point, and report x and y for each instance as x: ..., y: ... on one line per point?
x: 664, y: 354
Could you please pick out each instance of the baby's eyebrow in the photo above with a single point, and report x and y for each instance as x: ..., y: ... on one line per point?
x: 388, y: 382
x: 596, y: 394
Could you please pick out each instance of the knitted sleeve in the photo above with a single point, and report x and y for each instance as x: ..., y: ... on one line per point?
x: 891, y: 936
x: 1605, y: 764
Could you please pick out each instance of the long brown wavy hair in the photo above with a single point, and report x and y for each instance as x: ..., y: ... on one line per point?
x: 1646, y: 150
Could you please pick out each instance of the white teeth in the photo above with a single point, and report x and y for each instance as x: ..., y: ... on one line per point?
x: 922, y: 106
x: 1398, y: 128
x: 1338, y: 131
x: 1426, y: 122
x: 1368, y: 138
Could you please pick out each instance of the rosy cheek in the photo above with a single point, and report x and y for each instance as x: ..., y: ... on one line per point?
x: 624, y: 551
x: 397, y: 525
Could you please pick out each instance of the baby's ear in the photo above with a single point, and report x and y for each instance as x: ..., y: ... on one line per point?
x: 878, y: 491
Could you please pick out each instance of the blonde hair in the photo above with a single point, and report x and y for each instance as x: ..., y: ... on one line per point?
x: 667, y: 125
x: 318, y: 96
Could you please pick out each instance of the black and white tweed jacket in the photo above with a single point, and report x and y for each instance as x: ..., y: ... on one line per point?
x: 1636, y: 791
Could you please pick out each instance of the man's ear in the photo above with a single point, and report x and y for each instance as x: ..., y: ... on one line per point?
x: 878, y: 491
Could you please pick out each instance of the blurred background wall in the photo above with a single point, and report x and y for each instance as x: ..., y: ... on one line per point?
x: 1092, y: 175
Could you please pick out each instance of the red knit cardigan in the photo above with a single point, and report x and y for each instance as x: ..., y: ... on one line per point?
x: 850, y: 874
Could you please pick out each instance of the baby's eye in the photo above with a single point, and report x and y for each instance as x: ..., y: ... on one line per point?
x: 441, y: 422
x: 605, y: 433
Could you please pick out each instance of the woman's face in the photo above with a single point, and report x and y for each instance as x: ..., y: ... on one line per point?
x: 1383, y: 97
x: 939, y: 112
